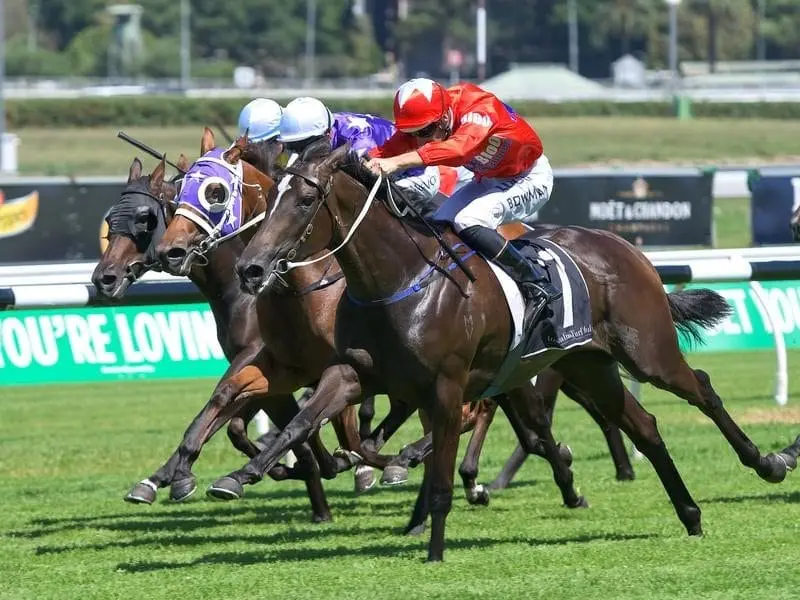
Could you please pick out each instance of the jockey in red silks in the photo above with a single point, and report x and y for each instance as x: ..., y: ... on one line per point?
x: 466, y: 126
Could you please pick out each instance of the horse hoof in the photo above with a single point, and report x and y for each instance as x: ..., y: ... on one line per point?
x: 415, y: 530
x: 226, y: 488
x: 182, y: 490
x: 142, y: 493
x: 626, y: 475
x: 394, y: 475
x: 566, y: 453
x: 774, y: 468
x: 321, y: 518
x: 478, y: 496
x: 364, y: 479
x: 579, y: 503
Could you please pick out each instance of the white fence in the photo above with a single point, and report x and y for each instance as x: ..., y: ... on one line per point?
x: 68, y: 284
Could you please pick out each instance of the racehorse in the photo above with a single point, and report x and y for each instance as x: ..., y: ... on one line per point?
x: 296, y: 320
x: 136, y: 224
x: 795, y: 224
x: 444, y: 344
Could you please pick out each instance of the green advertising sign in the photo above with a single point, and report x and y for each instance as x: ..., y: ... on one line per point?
x: 176, y: 341
x: 97, y: 344
x: 749, y: 327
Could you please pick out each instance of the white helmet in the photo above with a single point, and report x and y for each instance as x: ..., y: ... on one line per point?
x: 304, y: 118
x: 261, y: 118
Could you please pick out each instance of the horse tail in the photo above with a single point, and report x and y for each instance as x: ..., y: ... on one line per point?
x: 697, y: 309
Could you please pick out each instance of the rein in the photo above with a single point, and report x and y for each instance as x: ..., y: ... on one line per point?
x: 284, y: 265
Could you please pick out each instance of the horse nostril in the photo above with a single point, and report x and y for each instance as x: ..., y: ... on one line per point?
x: 108, y: 279
x: 176, y: 253
x: 253, y: 272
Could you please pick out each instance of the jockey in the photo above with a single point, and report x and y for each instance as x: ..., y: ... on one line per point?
x: 466, y: 126
x: 261, y: 119
x: 306, y: 120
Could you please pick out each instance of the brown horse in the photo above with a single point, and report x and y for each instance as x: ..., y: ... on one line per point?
x: 795, y: 224
x: 136, y: 224
x: 445, y: 344
x: 297, y: 325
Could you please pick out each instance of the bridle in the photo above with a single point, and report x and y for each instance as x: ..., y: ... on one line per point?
x: 284, y: 265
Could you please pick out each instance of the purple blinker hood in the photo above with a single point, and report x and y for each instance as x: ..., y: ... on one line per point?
x: 220, y: 218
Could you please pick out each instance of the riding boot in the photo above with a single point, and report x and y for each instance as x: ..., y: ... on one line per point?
x: 531, y: 277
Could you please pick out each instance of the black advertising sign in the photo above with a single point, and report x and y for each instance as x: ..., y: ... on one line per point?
x: 54, y: 219
x: 663, y: 209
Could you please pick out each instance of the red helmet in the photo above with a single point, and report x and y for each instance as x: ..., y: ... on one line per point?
x: 418, y: 103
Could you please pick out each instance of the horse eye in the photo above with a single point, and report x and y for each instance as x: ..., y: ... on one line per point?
x: 215, y: 194
x: 309, y: 200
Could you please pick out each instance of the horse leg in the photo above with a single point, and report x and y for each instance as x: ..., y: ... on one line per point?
x: 242, y: 381
x: 446, y: 421
x: 350, y: 440
x: 527, y: 414
x: 616, y: 445
x: 483, y: 415
x: 547, y: 385
x: 338, y: 387
x: 281, y: 410
x: 411, y: 455
x: 598, y: 377
x: 673, y: 374
x: 366, y: 412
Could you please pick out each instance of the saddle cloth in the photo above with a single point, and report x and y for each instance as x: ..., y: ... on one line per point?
x: 567, y: 322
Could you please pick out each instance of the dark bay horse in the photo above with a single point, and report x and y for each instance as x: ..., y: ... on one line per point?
x: 445, y: 344
x: 795, y: 224
x: 296, y: 324
x: 136, y: 224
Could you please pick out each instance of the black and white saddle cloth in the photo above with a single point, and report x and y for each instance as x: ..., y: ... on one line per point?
x: 567, y: 322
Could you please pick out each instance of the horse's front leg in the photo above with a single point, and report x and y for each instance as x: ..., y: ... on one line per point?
x: 446, y: 419
x: 243, y: 381
x: 338, y: 387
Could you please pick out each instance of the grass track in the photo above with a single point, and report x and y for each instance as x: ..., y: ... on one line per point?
x: 68, y: 454
x: 568, y: 141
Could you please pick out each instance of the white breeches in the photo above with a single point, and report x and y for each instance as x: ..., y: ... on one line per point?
x: 493, y: 201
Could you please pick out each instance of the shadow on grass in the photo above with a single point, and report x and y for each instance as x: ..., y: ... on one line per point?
x: 405, y: 546
x: 286, y: 536
x: 787, y: 497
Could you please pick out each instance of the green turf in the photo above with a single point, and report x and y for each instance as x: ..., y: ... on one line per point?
x: 568, y: 141
x: 732, y: 223
x: 69, y: 453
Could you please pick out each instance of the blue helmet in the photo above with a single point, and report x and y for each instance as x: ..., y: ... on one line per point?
x: 261, y: 118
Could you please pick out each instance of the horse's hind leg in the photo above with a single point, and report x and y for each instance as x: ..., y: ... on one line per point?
x: 597, y: 376
x: 674, y: 375
x: 483, y: 414
x: 616, y: 445
x: 531, y: 422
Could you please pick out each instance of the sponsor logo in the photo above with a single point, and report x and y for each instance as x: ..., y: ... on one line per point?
x: 18, y: 214
x: 494, y: 151
x: 640, y: 190
x: 613, y: 210
x: 477, y: 119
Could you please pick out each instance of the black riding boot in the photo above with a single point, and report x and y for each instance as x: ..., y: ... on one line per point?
x: 532, y: 279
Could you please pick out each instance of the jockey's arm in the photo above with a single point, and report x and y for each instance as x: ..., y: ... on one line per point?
x: 458, y: 149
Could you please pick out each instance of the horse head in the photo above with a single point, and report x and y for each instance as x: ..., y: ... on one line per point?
x: 135, y: 224
x: 795, y: 223
x: 294, y: 226
x: 220, y: 194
